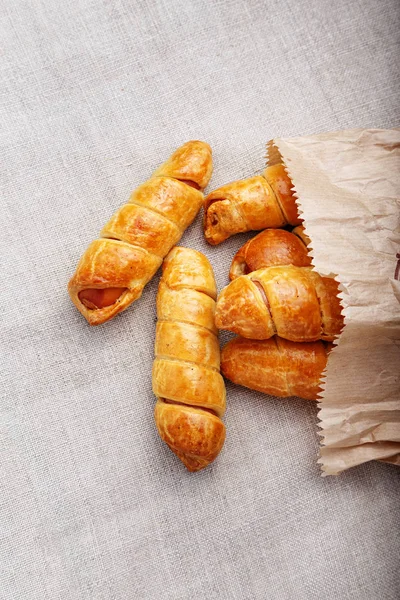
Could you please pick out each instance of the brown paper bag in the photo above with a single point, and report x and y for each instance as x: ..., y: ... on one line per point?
x: 348, y: 188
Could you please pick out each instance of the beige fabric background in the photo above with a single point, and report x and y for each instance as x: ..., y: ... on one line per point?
x: 94, y: 94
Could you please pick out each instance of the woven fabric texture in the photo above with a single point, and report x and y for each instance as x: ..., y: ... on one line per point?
x: 94, y: 95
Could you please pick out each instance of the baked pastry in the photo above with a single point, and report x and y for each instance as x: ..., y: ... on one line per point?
x: 259, y: 202
x: 300, y: 232
x: 293, y: 302
x: 186, y: 379
x: 271, y: 247
x: 276, y: 366
x: 114, y: 269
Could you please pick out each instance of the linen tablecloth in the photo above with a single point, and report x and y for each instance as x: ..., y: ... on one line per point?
x: 94, y: 95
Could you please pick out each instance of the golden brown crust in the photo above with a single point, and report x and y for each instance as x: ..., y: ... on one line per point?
x: 189, y: 269
x: 301, y: 234
x: 170, y: 198
x: 300, y: 305
x: 191, y: 162
x: 186, y: 342
x: 194, y: 435
x: 141, y: 227
x: 259, y: 202
x: 189, y: 383
x: 271, y: 247
x: 139, y: 235
x: 281, y: 183
x: 240, y: 206
x: 275, y: 366
x: 186, y: 379
x: 327, y: 290
x: 241, y: 308
x: 293, y: 302
x: 111, y: 263
x: 188, y: 306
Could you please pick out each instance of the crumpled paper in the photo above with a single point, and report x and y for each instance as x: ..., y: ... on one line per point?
x: 348, y: 188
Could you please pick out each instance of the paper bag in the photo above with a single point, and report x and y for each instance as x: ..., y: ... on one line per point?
x: 348, y: 188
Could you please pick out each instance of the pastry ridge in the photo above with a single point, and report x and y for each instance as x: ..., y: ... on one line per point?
x: 190, y: 390
x: 260, y: 202
x: 301, y: 306
x: 109, y: 278
x: 271, y: 247
x: 276, y: 366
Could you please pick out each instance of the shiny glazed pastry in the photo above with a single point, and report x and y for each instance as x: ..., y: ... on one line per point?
x: 276, y: 366
x: 259, y: 202
x: 114, y: 269
x: 186, y: 379
x: 293, y: 302
x: 270, y: 248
